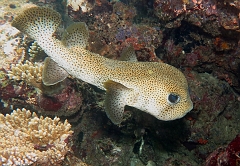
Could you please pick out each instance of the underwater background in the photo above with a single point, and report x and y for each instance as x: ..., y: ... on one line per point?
x: 199, y: 37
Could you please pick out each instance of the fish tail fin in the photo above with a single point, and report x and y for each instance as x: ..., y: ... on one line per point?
x: 37, y: 22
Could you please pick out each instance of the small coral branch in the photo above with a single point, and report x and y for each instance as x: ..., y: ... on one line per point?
x: 28, y: 72
x: 34, y: 50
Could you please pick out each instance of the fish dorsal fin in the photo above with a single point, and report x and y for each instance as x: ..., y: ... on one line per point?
x: 52, y: 73
x: 115, y: 100
x: 128, y: 54
x: 76, y: 34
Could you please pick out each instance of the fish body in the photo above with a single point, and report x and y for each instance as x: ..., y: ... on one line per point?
x: 156, y: 88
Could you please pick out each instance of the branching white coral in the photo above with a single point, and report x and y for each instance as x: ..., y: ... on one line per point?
x: 34, y: 49
x: 29, y: 72
x: 26, y: 139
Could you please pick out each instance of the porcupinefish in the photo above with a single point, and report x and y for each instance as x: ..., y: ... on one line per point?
x: 156, y: 88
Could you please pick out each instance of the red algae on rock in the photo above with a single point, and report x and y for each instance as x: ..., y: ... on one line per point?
x: 66, y: 102
x: 229, y: 156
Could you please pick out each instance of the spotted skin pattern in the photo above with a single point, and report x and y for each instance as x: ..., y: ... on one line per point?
x: 143, y: 85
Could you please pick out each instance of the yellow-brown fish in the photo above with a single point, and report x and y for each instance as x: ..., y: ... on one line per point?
x: 156, y: 88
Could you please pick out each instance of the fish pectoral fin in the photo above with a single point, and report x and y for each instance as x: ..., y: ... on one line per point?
x: 76, y: 35
x: 52, y: 73
x: 115, y: 100
x: 128, y: 54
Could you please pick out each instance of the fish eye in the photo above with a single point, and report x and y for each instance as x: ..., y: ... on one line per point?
x: 173, y: 98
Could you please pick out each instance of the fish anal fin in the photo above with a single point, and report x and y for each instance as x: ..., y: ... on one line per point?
x: 52, y: 73
x: 128, y: 54
x: 76, y: 35
x: 115, y: 100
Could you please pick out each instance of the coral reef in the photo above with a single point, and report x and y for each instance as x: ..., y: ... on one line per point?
x: 13, y: 43
x: 34, y: 50
x: 29, y: 72
x: 63, y: 100
x: 27, y: 139
x: 111, y: 29
x: 200, y: 13
x: 12, y: 46
x: 71, y: 160
x: 83, y: 5
x: 199, y: 37
x: 228, y: 156
x: 202, y: 34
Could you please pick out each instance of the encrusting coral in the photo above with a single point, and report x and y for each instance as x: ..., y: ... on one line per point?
x: 27, y: 139
x: 28, y: 72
